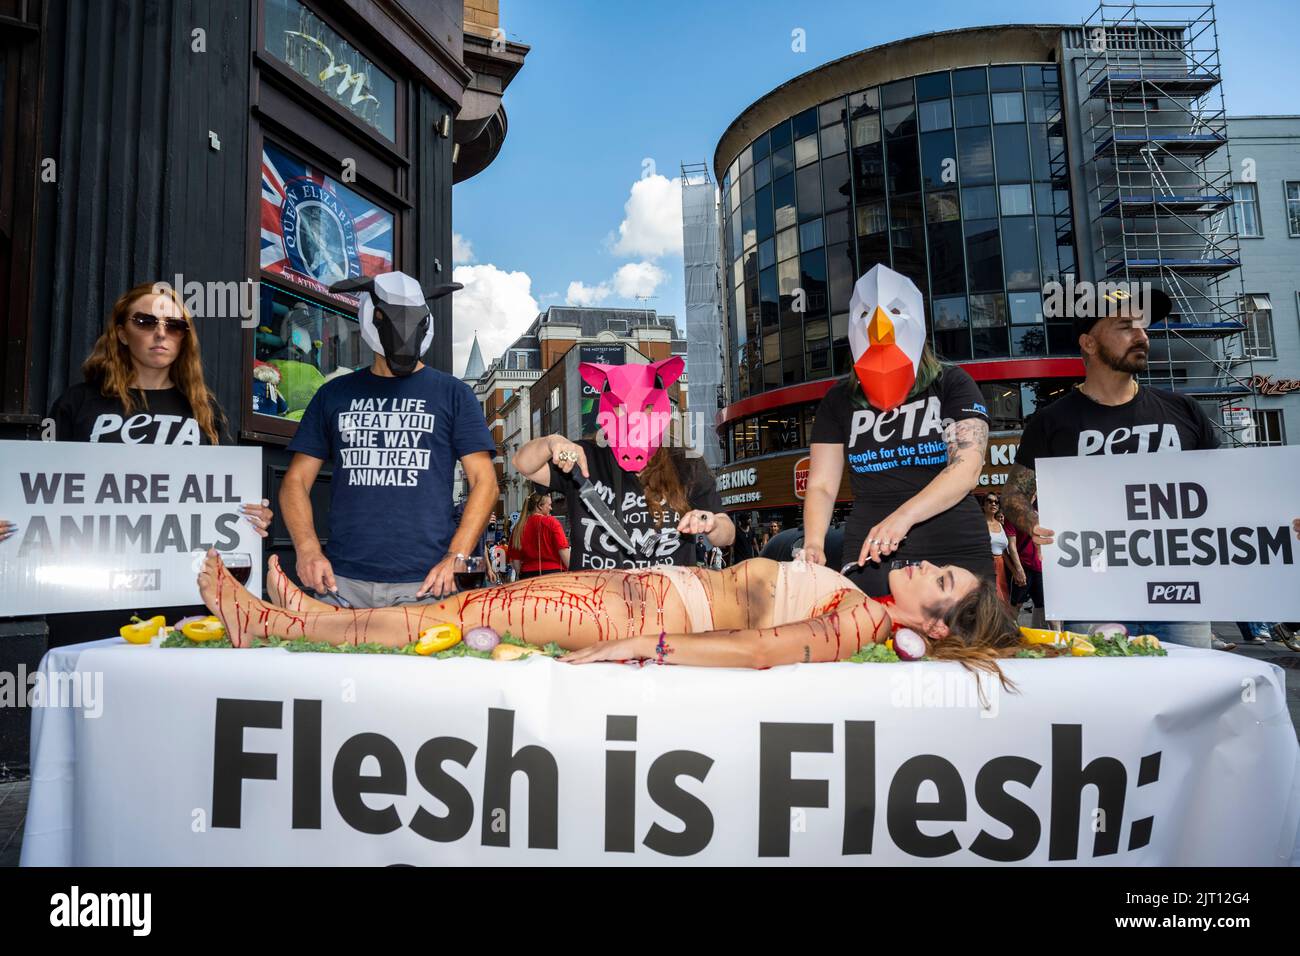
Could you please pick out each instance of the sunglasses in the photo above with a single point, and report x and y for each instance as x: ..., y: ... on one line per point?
x: 147, y: 322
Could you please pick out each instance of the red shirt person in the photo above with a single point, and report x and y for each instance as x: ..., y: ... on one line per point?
x: 537, y: 544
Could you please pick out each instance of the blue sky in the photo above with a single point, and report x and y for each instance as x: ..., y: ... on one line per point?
x: 611, y: 86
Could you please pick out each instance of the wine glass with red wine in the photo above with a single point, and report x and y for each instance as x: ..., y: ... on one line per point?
x: 240, y: 566
x: 470, y: 572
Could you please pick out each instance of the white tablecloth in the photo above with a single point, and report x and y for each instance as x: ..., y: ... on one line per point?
x: 192, y: 757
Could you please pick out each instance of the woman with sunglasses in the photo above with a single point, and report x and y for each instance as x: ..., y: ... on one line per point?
x: 144, y: 385
x: 1001, y: 540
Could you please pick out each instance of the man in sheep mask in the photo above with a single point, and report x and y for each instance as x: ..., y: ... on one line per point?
x: 393, y: 433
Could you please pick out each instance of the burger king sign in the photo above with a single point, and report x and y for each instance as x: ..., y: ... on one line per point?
x: 801, y: 476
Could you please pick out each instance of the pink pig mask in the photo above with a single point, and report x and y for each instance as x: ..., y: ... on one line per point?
x: 634, y: 408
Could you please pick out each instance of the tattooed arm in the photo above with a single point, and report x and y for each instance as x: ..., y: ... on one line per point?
x: 850, y: 621
x: 1018, y: 504
x: 967, y: 441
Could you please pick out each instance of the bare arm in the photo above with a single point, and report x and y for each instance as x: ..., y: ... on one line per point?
x: 967, y: 441
x: 724, y: 531
x: 295, y: 502
x: 534, y: 459
x: 1018, y: 504
x: 483, y: 490
x: 825, y: 472
x: 848, y: 621
x: 1013, y: 557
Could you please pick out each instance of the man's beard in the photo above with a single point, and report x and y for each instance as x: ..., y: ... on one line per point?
x: 1132, y: 361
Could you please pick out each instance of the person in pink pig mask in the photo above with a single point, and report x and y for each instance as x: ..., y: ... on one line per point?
x: 656, y: 497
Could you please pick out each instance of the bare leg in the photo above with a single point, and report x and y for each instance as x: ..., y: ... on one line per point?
x: 573, y: 610
x: 247, y: 617
x: 284, y: 593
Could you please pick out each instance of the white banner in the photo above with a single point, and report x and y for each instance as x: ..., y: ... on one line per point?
x: 1174, y: 536
x: 104, y: 526
x: 220, y: 757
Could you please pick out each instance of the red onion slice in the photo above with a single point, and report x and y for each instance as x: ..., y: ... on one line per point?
x: 909, y: 645
x: 481, y: 639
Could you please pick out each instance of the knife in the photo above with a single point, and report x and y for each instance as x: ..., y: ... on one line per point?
x: 601, y: 512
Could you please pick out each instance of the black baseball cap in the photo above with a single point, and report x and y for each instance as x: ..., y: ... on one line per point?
x: 1159, y: 305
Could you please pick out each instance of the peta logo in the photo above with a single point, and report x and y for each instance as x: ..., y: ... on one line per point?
x: 133, y: 910
x: 145, y: 579
x: 1174, y: 592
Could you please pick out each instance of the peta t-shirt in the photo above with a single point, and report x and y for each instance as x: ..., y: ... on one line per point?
x: 1154, y: 420
x: 592, y: 548
x: 162, y: 416
x: 893, y: 455
x: 394, y: 443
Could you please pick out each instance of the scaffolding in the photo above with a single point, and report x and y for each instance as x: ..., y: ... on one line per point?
x: 1159, y: 167
x: 700, y: 244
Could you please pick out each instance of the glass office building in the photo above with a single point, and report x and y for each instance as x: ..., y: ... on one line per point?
x: 958, y: 177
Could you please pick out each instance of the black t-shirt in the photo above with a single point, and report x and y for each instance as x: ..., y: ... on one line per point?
x: 592, y: 547
x: 162, y: 417
x: 891, y: 456
x: 1154, y: 420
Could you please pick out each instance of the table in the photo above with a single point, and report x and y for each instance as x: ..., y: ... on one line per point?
x: 220, y: 757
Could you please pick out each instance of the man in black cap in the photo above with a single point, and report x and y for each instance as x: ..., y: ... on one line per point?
x: 1111, y: 414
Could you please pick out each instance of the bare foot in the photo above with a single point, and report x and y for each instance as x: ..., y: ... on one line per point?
x: 244, y: 616
x: 288, y: 595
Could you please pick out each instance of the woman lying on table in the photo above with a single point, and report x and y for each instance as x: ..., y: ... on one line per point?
x: 758, y: 613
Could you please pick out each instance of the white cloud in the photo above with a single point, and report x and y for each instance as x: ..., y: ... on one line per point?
x: 579, y: 293
x: 652, y: 224
x: 462, y: 250
x: 499, y: 305
x: 638, y: 278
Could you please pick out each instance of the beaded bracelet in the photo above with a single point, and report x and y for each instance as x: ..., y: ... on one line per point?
x: 662, y: 647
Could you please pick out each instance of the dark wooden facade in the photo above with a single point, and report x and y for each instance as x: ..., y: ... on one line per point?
x: 156, y: 150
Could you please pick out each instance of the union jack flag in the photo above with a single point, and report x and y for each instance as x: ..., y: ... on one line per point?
x: 315, y: 230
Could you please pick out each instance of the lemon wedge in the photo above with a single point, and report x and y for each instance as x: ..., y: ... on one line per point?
x: 512, y: 652
x: 1035, y: 635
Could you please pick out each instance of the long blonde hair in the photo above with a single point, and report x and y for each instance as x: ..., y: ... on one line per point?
x: 530, y: 509
x: 109, y: 364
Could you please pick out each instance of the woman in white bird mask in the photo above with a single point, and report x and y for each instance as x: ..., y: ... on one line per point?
x: 913, y: 432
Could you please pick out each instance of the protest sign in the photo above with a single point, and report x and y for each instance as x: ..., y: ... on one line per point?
x: 1175, y: 536
x: 103, y: 526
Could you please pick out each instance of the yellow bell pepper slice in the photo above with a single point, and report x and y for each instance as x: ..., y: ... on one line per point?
x: 142, y: 632
x: 208, y: 629
x: 437, y: 638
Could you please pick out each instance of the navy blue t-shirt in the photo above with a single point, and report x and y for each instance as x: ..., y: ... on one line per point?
x: 394, y: 443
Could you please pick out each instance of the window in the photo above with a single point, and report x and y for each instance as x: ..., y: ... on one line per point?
x: 1016, y: 200
x: 1257, y: 313
x: 786, y: 246
x: 1268, y: 426
x: 1245, y: 210
x: 325, y: 61
x: 866, y: 130
x: 872, y: 219
x: 975, y: 156
x: 315, y: 241
x: 1008, y: 108
x: 810, y: 235
x: 936, y: 115
x: 299, y: 345
x: 972, y: 110
x: 805, y: 150
x: 1293, y: 209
